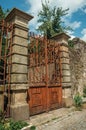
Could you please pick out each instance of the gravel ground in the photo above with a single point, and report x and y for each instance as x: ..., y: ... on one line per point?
x: 71, y: 120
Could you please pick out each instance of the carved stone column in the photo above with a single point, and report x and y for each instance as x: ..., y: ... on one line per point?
x: 19, y: 108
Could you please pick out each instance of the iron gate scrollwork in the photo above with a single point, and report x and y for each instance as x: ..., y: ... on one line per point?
x: 44, y: 74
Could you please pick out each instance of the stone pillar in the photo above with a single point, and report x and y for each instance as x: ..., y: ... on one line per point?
x: 19, y: 109
x: 62, y: 39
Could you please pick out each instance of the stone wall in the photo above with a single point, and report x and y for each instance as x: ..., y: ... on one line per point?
x: 78, y: 66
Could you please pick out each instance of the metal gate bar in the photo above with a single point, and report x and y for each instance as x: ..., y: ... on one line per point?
x: 47, y: 54
x: 6, y: 56
x: 44, y: 72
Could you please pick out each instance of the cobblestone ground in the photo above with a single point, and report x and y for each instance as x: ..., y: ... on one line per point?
x: 75, y: 120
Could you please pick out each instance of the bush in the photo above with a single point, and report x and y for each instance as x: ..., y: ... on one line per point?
x: 17, y: 125
x: 1, y: 126
x: 10, y: 124
x: 78, y: 100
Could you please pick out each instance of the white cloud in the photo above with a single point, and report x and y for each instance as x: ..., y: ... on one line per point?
x: 84, y: 9
x: 74, y: 25
x: 71, y: 34
x: 84, y: 34
x: 35, y: 7
x: 84, y: 31
x: 73, y: 5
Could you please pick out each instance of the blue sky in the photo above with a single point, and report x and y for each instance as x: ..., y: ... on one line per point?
x: 76, y: 17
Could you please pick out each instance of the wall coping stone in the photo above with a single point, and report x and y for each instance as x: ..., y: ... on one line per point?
x: 19, y: 86
x: 16, y: 12
x: 61, y: 35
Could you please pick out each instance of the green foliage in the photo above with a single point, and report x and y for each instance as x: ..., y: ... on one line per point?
x: 3, y: 13
x: 70, y: 43
x: 1, y: 126
x: 2, y: 117
x: 51, y: 20
x: 4, y: 125
x: 33, y: 128
x: 17, y: 125
x: 10, y: 124
x: 84, y: 91
x: 78, y: 100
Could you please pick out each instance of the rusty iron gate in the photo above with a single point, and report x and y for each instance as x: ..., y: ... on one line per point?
x: 44, y: 75
x: 6, y: 33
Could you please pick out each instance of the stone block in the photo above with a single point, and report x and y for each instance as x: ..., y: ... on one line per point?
x: 22, y: 87
x: 66, y: 79
x: 21, y: 21
x: 84, y: 103
x: 65, y: 66
x: 65, y: 60
x: 61, y: 38
x: 18, y: 97
x: 20, y: 41
x: 19, y: 59
x: 16, y: 78
x: 66, y: 85
x: 64, y: 54
x: 20, y: 50
x: 67, y: 102
x: 67, y: 98
x: 64, y: 48
x: 66, y: 72
x: 19, y: 32
x: 17, y: 68
x: 19, y: 111
x: 66, y: 92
